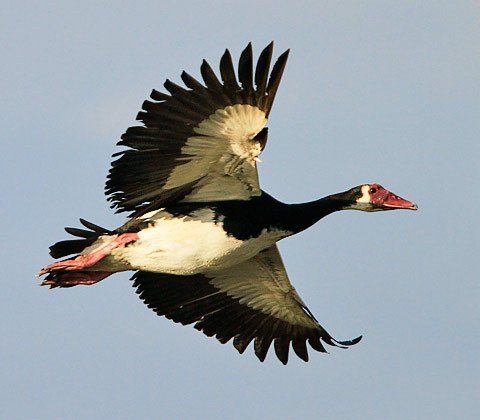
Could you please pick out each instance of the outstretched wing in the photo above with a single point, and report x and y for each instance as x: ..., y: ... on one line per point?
x: 199, y: 143
x: 251, y: 301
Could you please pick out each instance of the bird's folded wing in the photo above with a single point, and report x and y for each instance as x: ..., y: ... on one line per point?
x: 253, y: 301
x: 199, y: 143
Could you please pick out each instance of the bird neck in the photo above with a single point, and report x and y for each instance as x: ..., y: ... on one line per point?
x: 303, y: 215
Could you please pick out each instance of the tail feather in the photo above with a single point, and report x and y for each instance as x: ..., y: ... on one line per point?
x: 94, y: 227
x: 75, y: 246
x: 81, y: 233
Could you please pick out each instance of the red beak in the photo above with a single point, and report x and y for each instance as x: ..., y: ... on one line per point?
x: 393, y: 202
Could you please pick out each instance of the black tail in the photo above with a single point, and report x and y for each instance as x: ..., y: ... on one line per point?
x: 75, y: 246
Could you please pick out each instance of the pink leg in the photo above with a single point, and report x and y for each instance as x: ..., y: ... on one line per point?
x: 88, y: 260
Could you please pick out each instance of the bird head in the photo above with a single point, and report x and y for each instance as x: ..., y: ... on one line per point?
x: 373, y: 197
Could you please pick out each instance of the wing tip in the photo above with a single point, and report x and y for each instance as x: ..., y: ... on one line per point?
x: 348, y: 343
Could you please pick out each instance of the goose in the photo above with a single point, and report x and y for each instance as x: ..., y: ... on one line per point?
x: 201, y: 234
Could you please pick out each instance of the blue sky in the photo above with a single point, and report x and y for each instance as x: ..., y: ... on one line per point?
x: 374, y: 91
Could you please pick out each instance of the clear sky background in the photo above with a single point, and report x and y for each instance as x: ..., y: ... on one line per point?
x: 375, y: 91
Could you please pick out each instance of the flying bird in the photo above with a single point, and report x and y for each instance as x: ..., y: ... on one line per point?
x: 201, y: 234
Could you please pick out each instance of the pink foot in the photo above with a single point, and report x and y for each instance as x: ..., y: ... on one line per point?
x: 84, y: 261
x: 70, y: 279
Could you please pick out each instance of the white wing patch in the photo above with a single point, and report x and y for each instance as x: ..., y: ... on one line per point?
x: 223, y: 155
x: 237, y: 124
x: 262, y: 284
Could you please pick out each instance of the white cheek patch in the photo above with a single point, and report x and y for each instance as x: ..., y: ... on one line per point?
x: 365, y: 198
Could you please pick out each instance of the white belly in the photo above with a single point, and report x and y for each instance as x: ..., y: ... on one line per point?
x: 188, y: 246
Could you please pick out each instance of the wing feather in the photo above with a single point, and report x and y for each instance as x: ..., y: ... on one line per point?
x: 227, y: 72
x: 263, y: 67
x: 275, y: 78
x: 211, y: 80
x: 245, y: 74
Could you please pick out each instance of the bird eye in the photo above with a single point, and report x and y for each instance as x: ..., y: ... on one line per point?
x: 372, y: 190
